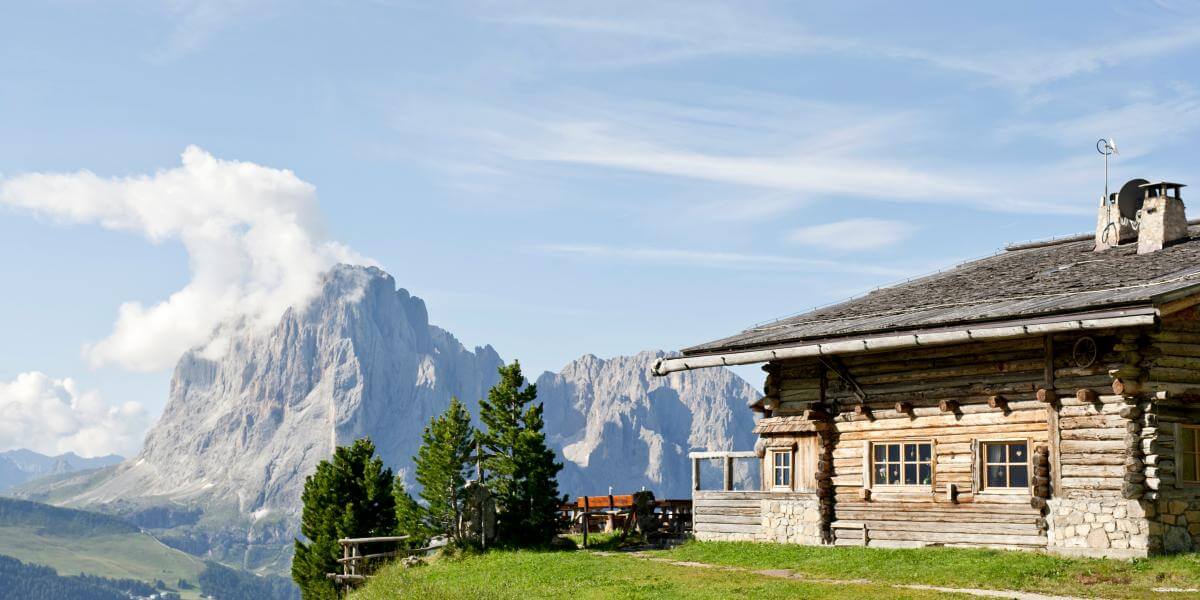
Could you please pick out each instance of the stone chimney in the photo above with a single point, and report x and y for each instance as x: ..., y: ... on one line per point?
x: 1161, y: 221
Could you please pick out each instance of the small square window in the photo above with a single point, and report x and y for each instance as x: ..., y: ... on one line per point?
x: 781, y: 464
x: 1006, y: 465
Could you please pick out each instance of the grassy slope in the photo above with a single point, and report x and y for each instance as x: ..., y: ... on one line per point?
x: 75, y: 542
x: 991, y: 569
x: 581, y: 575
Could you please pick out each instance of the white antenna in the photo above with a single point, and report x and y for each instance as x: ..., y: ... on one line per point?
x: 1107, y: 147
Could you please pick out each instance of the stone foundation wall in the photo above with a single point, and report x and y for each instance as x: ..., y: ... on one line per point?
x: 1103, y: 526
x: 1175, y: 525
x: 792, y: 521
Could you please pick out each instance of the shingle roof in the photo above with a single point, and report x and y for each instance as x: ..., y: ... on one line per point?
x: 1017, y: 284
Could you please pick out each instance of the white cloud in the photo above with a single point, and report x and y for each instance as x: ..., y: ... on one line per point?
x: 253, y: 236
x: 53, y: 416
x: 853, y: 234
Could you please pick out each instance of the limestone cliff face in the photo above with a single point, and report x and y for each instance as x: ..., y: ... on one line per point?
x: 615, y: 424
x: 240, y: 432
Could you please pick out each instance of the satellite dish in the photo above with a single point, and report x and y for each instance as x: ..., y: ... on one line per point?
x: 1130, y: 198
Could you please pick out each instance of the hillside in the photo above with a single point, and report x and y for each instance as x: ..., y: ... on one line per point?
x: 21, y: 465
x: 75, y: 541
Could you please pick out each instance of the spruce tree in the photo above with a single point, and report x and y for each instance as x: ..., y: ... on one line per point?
x: 410, y: 517
x: 442, y: 465
x: 520, y: 468
x: 348, y: 496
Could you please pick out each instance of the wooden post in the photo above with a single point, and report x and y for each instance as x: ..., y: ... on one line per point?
x: 585, y: 520
x: 728, y: 473
x: 695, y: 474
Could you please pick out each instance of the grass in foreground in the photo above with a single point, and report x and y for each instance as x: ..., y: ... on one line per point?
x: 956, y: 567
x: 583, y: 574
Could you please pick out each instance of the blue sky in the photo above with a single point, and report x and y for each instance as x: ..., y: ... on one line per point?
x: 552, y: 178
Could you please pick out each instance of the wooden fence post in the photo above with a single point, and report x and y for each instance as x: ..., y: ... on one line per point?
x: 728, y: 473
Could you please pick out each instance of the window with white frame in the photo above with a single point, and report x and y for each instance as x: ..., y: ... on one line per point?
x: 1188, y: 469
x: 781, y: 466
x: 902, y: 463
x: 1005, y: 465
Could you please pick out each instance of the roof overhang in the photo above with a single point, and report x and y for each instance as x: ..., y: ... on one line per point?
x: 1133, y: 317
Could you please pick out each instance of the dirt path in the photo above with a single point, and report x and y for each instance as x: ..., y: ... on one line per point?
x: 787, y: 574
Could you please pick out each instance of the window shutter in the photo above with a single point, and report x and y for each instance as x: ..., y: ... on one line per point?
x: 1178, y: 431
x: 866, y: 471
x: 976, y: 466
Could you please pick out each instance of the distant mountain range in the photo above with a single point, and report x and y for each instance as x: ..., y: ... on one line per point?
x: 20, y: 466
x: 221, y: 473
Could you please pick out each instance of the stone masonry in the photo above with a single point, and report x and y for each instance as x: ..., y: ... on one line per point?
x: 792, y: 521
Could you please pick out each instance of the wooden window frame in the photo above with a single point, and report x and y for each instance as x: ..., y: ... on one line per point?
x: 790, y: 468
x: 981, y: 468
x: 1180, y: 451
x: 869, y: 466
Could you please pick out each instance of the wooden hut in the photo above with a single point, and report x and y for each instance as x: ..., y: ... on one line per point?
x: 1046, y: 397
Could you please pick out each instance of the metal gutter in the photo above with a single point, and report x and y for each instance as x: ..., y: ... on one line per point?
x: 871, y: 344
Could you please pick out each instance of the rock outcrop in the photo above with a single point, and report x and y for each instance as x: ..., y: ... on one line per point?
x: 615, y: 424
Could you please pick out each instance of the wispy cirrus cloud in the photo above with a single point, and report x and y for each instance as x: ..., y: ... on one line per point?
x: 708, y: 259
x: 853, y: 234
x: 629, y: 34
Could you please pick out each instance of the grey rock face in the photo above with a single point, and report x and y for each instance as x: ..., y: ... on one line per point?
x: 245, y: 430
x: 615, y: 424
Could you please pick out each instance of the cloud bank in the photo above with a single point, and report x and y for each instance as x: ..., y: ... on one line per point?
x: 53, y: 416
x: 253, y: 235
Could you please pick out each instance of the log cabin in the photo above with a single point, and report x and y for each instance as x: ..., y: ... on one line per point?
x: 1046, y: 397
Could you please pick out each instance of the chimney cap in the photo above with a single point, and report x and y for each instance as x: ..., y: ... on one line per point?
x: 1162, y: 184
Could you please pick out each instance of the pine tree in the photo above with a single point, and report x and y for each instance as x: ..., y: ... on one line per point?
x: 410, y: 517
x: 520, y: 468
x: 442, y: 466
x: 349, y: 496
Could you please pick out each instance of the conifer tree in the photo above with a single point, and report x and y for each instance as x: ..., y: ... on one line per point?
x: 410, y: 517
x: 520, y: 468
x: 442, y: 465
x: 348, y: 496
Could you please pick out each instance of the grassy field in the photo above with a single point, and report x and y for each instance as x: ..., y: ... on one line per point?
x: 866, y: 573
x: 961, y: 568
x: 583, y: 574
x: 125, y: 555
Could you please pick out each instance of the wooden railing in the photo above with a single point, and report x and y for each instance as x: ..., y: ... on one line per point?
x: 726, y: 457
x: 354, y: 562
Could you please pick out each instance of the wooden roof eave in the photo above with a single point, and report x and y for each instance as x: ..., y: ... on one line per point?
x: 1131, y: 317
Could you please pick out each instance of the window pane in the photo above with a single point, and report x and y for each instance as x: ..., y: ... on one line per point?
x: 995, y: 453
x: 1016, y: 452
x: 881, y: 474
x: 925, y: 476
x: 910, y: 474
x: 894, y: 452
x: 1188, y: 469
x: 926, y: 450
x: 995, y: 476
x: 893, y: 474
x: 1018, y: 476
x: 778, y: 478
x: 880, y: 452
x: 910, y: 452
